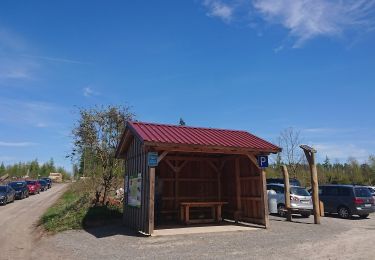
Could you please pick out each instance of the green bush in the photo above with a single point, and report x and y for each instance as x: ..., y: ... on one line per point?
x: 74, y: 210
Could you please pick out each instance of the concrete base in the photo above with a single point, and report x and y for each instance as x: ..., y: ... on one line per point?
x: 183, y: 230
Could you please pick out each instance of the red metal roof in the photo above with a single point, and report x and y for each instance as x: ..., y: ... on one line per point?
x: 185, y: 135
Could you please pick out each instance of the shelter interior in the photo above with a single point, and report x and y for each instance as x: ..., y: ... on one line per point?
x: 233, y: 179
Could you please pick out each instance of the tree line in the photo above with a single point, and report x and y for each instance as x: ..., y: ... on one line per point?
x: 349, y: 172
x: 33, y: 169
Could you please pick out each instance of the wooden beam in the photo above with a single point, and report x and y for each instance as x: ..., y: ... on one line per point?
x: 181, y: 166
x: 310, y: 156
x: 151, y: 196
x: 287, y: 192
x: 214, y: 167
x: 238, y: 186
x: 264, y: 198
x: 161, y: 157
x: 254, y: 160
x: 206, y: 149
x: 171, y: 165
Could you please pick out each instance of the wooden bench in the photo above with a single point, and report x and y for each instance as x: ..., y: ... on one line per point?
x: 215, y: 210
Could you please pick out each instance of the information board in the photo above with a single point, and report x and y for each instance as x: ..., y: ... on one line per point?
x: 134, y: 194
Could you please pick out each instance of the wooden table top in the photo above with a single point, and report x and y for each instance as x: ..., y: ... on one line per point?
x: 205, y: 203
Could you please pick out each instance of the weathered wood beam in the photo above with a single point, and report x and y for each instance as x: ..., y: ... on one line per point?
x: 205, y: 149
x: 161, y: 157
x: 254, y: 160
x: 264, y: 198
x: 287, y: 192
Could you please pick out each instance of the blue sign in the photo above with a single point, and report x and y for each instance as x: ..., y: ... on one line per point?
x: 263, y: 161
x: 152, y: 159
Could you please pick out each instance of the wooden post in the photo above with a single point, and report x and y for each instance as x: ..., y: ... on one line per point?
x: 287, y: 193
x: 238, y: 189
x: 264, y: 198
x: 310, y: 156
x: 152, y: 201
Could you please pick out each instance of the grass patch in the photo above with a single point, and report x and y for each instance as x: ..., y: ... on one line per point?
x: 74, y: 211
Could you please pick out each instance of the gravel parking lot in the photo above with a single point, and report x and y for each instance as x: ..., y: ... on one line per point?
x: 333, y: 239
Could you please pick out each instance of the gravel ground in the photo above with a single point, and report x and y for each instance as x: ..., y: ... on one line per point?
x: 333, y: 239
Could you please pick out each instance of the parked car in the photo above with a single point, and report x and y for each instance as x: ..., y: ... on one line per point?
x: 7, y: 194
x: 372, y: 190
x: 33, y: 186
x: 300, y: 200
x: 48, y: 180
x: 292, y: 181
x: 347, y: 200
x: 21, y: 189
x: 43, y: 184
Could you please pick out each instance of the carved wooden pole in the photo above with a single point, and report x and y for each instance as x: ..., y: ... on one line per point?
x: 287, y: 193
x: 310, y: 156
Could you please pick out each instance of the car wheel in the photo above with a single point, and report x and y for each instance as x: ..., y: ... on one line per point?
x: 344, y: 212
x: 305, y: 215
x: 364, y: 215
x: 281, y: 210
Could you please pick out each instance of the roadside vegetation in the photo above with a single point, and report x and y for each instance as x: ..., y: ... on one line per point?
x: 76, y: 209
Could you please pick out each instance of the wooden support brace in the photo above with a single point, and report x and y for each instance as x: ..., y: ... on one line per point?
x: 161, y: 157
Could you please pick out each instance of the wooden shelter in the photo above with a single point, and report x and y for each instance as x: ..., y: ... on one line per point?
x: 175, y: 173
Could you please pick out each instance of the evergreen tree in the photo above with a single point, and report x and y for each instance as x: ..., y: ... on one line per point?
x: 2, y: 169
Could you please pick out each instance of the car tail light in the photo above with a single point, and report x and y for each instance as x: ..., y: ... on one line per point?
x: 358, y: 201
x: 292, y: 198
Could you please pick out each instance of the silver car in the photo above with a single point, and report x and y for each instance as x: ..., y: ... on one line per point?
x: 300, y: 200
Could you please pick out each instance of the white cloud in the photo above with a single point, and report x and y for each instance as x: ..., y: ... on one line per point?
x: 304, y: 19
x: 88, y: 92
x: 311, y: 18
x: 27, y: 113
x: 219, y: 9
x: 341, y: 151
x: 56, y: 59
x: 16, y: 144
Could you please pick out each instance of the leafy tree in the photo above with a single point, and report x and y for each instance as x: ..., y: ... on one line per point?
x: 97, y: 134
x: 289, y: 141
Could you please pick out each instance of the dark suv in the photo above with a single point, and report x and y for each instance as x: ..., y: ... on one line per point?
x: 347, y: 200
x: 21, y: 189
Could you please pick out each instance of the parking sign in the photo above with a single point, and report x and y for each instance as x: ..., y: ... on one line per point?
x: 263, y: 161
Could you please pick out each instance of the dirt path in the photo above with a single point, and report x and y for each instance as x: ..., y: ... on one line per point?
x: 18, y: 220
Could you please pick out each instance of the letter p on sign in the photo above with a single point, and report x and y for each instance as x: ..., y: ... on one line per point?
x: 263, y: 161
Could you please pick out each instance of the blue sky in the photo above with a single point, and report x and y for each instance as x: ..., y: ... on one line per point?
x: 259, y: 65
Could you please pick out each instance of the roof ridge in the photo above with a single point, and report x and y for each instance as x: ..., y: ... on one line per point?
x: 190, y: 127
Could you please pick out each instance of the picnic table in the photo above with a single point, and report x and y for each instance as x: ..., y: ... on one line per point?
x: 215, y: 210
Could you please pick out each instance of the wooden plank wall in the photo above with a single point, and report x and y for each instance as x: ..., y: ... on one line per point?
x: 136, y: 162
x: 197, y: 181
x: 251, y: 191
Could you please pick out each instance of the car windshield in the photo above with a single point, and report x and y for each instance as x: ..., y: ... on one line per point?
x: 31, y: 182
x: 42, y: 182
x: 3, y: 189
x: 362, y: 192
x: 299, y: 191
